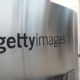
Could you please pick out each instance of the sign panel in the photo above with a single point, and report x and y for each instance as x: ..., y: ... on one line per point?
x: 37, y: 39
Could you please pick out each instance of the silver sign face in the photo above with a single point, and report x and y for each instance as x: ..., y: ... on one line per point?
x: 38, y: 39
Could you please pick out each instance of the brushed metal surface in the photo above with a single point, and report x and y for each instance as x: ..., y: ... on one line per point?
x: 45, y: 19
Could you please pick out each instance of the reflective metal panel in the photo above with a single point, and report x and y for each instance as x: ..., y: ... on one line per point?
x: 39, y: 39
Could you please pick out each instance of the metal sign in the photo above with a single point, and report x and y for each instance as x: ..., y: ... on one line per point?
x: 38, y: 40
